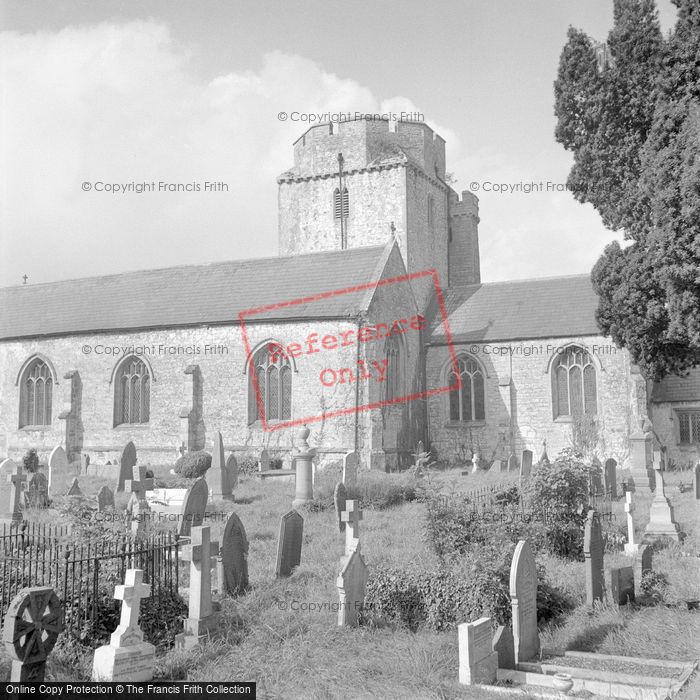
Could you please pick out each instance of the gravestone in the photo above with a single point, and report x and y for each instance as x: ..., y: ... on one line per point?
x: 234, y: 557
x: 127, y: 657
x: 201, y: 617
x: 523, y: 598
x: 305, y: 469
x: 610, y: 474
x: 6, y: 467
x: 503, y: 646
x: 593, y: 554
x: 126, y: 464
x: 60, y: 472
x: 478, y: 662
x: 264, y: 463
x: 84, y: 463
x: 194, y: 507
x: 74, y: 489
x: 105, y: 499
x: 289, y: 543
x: 11, y: 498
x: 232, y: 469
x: 340, y: 497
x: 631, y: 547
x: 350, y: 462
x: 696, y: 481
x: 138, y: 507
x: 512, y: 463
x: 622, y: 584
x: 217, y: 475
x: 544, y: 457
x: 37, y: 495
x: 351, y: 517
x: 643, y: 563
x: 661, y: 523
x: 420, y: 448
x: 351, y: 584
x: 32, y: 625
x: 526, y: 463
x: 641, y: 449
x: 596, y: 478
x: 497, y: 466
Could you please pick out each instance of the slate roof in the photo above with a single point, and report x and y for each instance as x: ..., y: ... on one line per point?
x: 553, y: 307
x: 193, y: 295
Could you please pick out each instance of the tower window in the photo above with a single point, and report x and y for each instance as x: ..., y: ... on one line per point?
x: 341, y: 204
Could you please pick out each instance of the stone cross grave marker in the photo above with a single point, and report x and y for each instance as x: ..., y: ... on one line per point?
x: 622, y: 584
x: 631, y: 547
x: 610, y: 474
x: 264, y: 463
x: 289, y: 544
x: 232, y: 469
x: 194, y: 507
x: 138, y: 506
x: 105, y: 499
x: 476, y: 457
x: 201, y: 616
x: 478, y: 662
x: 340, y: 497
x: 526, y: 463
x: 512, y: 463
x: 32, y: 625
x: 661, y: 522
x: 523, y: 599
x: 127, y: 463
x: 74, y: 489
x: 234, y: 557
x: 11, y: 503
x: 37, y: 495
x: 544, y: 457
x: 351, y: 516
x: 60, y: 471
x: 217, y: 475
x: 351, y: 584
x: 593, y: 554
x: 127, y: 657
x: 503, y: 645
x: 696, y: 481
x: 350, y: 462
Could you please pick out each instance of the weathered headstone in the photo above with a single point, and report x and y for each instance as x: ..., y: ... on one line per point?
x: 503, y: 645
x: 217, y: 475
x: 340, y: 496
x: 84, y: 463
x: 201, y: 618
x: 126, y: 464
x: 661, y: 523
x: 420, y: 448
x: 593, y: 554
x: 526, y: 463
x: 60, y: 471
x: 643, y: 563
x: 512, y: 463
x: 478, y: 662
x: 497, y: 466
x: 234, y: 557
x: 611, y: 477
x: 264, y: 463
x: 596, y: 478
x: 232, y: 468
x: 105, y: 499
x: 631, y: 546
x: 38, y: 491
x: 74, y: 489
x: 351, y: 516
x: 622, y: 584
x: 523, y: 595
x: 127, y: 657
x: 11, y: 498
x: 351, y: 584
x: 194, y: 506
x: 7, y: 467
x: 289, y: 544
x: 350, y: 462
x: 32, y: 625
x: 696, y: 481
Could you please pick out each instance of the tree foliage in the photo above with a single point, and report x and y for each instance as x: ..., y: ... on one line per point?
x: 634, y: 131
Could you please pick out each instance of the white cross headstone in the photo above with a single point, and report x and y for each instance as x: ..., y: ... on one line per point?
x: 631, y: 547
x: 351, y: 516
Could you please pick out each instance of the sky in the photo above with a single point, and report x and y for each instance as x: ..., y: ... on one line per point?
x: 142, y: 91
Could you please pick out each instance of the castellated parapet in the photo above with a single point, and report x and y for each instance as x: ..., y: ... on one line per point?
x: 464, y: 265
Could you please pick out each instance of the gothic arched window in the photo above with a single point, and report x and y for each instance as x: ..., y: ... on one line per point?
x: 36, y: 391
x: 574, y: 384
x: 467, y: 403
x: 132, y: 392
x: 273, y: 375
x: 394, y: 382
x: 341, y: 205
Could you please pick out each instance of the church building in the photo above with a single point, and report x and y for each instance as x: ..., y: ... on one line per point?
x: 372, y: 327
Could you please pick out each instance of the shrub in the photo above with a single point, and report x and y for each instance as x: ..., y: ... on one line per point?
x: 192, y: 465
x: 276, y: 463
x: 247, y: 464
x: 559, y: 487
x: 30, y: 461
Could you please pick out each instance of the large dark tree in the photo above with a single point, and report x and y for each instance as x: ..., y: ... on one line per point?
x: 634, y: 130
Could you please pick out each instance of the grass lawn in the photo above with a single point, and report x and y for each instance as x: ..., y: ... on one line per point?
x: 283, y: 634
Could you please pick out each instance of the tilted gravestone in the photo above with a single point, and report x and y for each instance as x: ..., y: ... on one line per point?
x: 32, y: 625
x: 526, y: 463
x: 512, y: 463
x: 126, y: 465
x: 523, y: 596
x: 350, y: 462
x: 37, y: 495
x: 234, y: 557
x: 593, y: 554
x: 351, y: 584
x: 340, y: 496
x: 232, y: 468
x: 217, y: 475
x: 503, y: 646
x: 105, y: 499
x: 127, y: 657
x: 60, y: 472
x: 622, y: 584
x: 478, y: 662
x: 194, y: 507
x: 610, y: 474
x: 289, y: 544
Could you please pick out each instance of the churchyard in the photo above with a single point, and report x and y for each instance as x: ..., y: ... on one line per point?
x: 443, y: 576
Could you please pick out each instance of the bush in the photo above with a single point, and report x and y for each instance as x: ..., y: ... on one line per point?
x: 30, y: 461
x: 247, y: 464
x: 192, y: 465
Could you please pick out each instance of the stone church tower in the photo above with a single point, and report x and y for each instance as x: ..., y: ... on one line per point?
x: 356, y: 183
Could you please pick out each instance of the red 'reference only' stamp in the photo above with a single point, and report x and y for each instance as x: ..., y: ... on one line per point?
x: 374, y: 361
